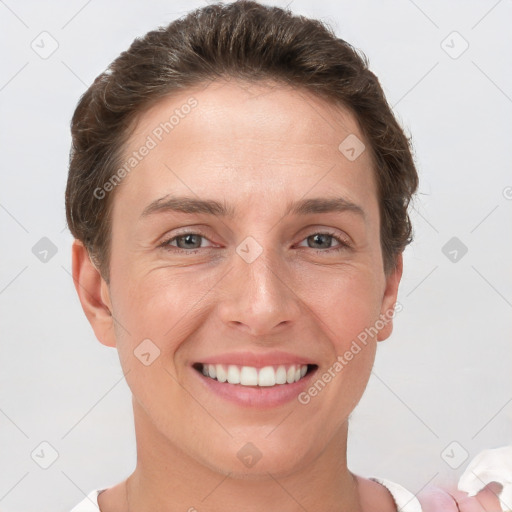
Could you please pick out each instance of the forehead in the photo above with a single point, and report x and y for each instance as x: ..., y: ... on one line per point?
x: 232, y: 138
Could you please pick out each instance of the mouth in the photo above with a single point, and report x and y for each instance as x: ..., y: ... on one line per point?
x: 256, y: 377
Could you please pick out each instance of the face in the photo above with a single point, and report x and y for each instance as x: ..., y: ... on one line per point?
x: 282, y: 266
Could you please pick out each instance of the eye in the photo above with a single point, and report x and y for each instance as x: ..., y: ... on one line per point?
x: 325, y: 239
x: 185, y: 242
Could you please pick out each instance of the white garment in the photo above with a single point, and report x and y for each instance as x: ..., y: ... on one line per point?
x: 405, y: 500
x: 493, y: 465
x: 90, y: 503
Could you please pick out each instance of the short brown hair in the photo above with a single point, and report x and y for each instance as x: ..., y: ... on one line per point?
x: 243, y: 40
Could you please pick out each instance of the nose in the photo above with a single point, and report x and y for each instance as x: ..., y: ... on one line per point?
x: 259, y: 296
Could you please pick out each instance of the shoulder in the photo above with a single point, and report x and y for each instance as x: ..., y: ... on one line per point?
x: 385, y: 495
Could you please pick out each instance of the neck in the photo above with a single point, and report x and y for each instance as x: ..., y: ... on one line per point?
x: 167, y: 478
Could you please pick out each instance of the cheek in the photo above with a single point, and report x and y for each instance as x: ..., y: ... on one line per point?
x: 146, y: 289
x: 347, y: 302
x: 156, y: 310
x: 346, y: 310
x: 348, y: 307
x: 163, y: 306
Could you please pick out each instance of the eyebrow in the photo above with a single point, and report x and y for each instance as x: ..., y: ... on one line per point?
x: 193, y: 205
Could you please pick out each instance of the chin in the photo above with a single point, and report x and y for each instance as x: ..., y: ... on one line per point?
x: 248, y: 462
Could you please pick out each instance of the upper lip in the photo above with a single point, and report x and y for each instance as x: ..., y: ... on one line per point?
x: 256, y: 360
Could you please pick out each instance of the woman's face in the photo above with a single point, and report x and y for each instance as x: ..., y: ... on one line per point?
x: 266, y: 279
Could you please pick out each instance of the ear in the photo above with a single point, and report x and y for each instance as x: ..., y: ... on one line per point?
x: 94, y: 295
x: 389, y: 299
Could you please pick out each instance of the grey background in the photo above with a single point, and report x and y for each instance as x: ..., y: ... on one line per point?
x: 442, y: 380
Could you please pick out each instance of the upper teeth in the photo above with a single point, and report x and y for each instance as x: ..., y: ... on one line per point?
x: 251, y: 376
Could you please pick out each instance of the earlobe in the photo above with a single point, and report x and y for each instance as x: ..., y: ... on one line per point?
x: 93, y: 294
x: 389, y: 299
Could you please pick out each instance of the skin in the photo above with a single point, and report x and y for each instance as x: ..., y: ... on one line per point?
x: 435, y: 499
x: 256, y: 148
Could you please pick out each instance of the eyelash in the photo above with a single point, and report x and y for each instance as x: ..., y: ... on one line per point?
x: 166, y: 244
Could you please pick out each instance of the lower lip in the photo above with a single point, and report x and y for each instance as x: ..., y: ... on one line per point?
x: 257, y: 396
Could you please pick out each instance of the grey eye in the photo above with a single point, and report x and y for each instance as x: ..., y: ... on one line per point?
x: 322, y: 239
x: 190, y: 241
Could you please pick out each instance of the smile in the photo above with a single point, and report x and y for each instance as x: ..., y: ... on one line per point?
x: 251, y: 376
